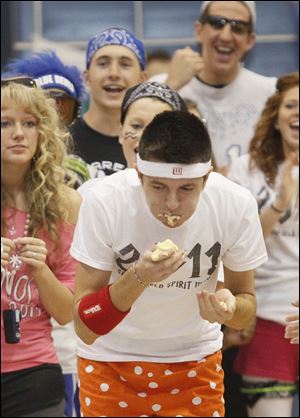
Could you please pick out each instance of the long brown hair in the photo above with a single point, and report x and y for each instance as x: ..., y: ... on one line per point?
x: 266, y: 149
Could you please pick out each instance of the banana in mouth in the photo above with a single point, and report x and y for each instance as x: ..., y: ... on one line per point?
x: 171, y: 219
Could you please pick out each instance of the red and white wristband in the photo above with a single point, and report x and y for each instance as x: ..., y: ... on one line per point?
x: 98, y: 312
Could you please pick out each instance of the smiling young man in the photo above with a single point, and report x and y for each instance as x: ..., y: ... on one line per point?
x: 115, y: 61
x: 149, y: 330
x: 229, y: 96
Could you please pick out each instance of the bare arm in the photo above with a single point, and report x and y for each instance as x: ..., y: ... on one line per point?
x: 123, y: 294
x: 269, y: 218
x: 287, y: 191
x: 88, y: 280
x: 233, y: 337
x: 56, y: 298
x: 124, y: 291
x: 241, y: 285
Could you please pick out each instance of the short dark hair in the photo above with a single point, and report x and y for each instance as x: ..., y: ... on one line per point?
x: 175, y: 137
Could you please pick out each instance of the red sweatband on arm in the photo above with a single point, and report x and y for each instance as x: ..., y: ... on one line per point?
x: 98, y: 313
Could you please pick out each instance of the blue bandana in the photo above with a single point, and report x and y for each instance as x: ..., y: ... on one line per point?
x: 116, y: 36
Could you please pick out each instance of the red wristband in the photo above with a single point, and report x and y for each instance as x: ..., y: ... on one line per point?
x: 98, y: 312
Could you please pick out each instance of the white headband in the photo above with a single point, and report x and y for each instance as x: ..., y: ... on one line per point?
x: 173, y: 170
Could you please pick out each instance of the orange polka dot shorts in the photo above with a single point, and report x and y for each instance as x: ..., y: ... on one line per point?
x: 145, y: 389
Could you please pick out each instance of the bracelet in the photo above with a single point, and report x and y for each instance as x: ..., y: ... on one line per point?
x: 137, y: 277
x: 276, y: 210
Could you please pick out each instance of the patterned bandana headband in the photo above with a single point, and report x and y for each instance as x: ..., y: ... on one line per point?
x: 116, y: 36
x: 152, y: 89
x: 173, y: 170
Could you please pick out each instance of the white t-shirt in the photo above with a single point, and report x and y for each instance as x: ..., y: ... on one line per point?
x: 87, y: 185
x: 277, y: 280
x: 115, y: 227
x: 231, y: 112
x: 65, y: 343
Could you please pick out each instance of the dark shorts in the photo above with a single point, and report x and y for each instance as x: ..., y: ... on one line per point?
x: 29, y: 390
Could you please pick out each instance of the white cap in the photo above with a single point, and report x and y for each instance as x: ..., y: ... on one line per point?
x: 249, y: 4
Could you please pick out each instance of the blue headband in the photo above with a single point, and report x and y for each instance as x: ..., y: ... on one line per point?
x: 116, y: 36
x: 49, y: 81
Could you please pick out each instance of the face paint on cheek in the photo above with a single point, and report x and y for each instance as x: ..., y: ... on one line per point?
x: 130, y: 135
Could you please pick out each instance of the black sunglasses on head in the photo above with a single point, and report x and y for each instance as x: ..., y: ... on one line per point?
x: 25, y: 81
x: 218, y: 22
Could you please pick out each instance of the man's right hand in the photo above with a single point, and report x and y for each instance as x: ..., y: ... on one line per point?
x: 185, y: 64
x: 150, y: 271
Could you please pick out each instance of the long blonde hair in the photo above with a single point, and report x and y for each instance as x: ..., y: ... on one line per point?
x: 44, y: 183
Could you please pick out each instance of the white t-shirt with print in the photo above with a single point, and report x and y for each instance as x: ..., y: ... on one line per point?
x: 277, y: 280
x: 231, y: 112
x: 115, y: 227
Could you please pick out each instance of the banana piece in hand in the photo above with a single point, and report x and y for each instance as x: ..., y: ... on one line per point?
x: 161, y: 249
x: 223, y: 304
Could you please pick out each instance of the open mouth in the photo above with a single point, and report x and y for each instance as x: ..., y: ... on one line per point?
x: 295, y: 125
x: 113, y: 89
x: 225, y: 51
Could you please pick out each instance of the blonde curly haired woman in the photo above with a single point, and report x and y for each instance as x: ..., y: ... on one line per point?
x: 38, y: 213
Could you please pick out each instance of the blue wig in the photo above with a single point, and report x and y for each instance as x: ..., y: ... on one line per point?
x: 49, y: 72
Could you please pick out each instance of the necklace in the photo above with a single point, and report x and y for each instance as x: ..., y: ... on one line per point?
x: 15, y: 258
x: 12, y: 230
